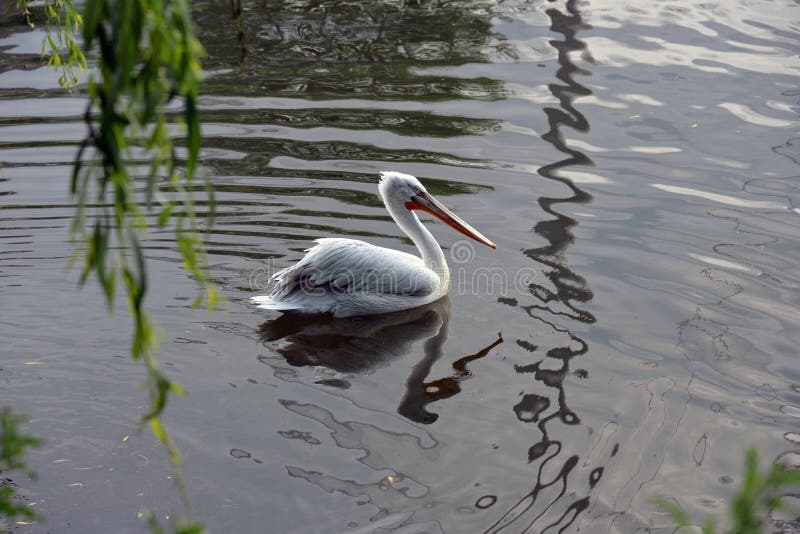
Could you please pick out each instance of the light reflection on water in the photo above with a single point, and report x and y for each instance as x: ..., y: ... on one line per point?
x: 641, y: 160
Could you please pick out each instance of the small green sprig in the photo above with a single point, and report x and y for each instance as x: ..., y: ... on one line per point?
x: 760, y: 494
x: 60, y: 45
x: 13, y: 445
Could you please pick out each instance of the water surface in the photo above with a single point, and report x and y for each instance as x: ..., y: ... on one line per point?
x: 637, y: 168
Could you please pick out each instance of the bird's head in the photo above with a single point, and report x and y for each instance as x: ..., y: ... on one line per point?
x: 396, y: 187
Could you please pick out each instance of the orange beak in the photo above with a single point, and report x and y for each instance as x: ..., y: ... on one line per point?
x: 428, y: 204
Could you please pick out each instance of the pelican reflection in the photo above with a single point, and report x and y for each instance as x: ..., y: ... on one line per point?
x: 361, y: 344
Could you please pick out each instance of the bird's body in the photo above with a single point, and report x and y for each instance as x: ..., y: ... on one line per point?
x: 347, y: 277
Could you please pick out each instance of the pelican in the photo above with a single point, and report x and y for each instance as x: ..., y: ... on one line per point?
x: 347, y: 277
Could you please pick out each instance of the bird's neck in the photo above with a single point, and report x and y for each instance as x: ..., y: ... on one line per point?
x: 429, y: 249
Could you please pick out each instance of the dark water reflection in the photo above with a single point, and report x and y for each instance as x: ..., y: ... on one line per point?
x: 652, y: 339
x: 359, y: 345
x: 564, y: 291
x: 345, y: 49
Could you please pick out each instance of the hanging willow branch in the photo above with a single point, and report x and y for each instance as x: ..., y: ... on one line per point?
x: 148, y: 59
x: 60, y: 45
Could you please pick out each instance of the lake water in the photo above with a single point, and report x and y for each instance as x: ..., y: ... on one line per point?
x: 634, y: 332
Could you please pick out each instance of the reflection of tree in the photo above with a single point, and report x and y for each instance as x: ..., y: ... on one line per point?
x: 567, y: 290
x: 342, y: 48
x: 333, y: 49
x: 260, y: 153
x: 409, y: 123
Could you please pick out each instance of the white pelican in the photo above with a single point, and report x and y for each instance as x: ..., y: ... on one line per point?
x: 346, y: 277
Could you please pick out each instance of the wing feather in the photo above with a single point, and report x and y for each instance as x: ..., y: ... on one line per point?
x: 348, y: 272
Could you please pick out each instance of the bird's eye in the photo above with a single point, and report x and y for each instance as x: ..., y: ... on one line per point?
x: 417, y: 189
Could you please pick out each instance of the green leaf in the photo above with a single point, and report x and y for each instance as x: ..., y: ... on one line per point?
x: 93, y: 13
x: 13, y: 446
x: 212, y: 298
x: 212, y: 203
x: 158, y: 429
x: 672, y: 508
x: 164, y: 215
x: 193, y: 124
